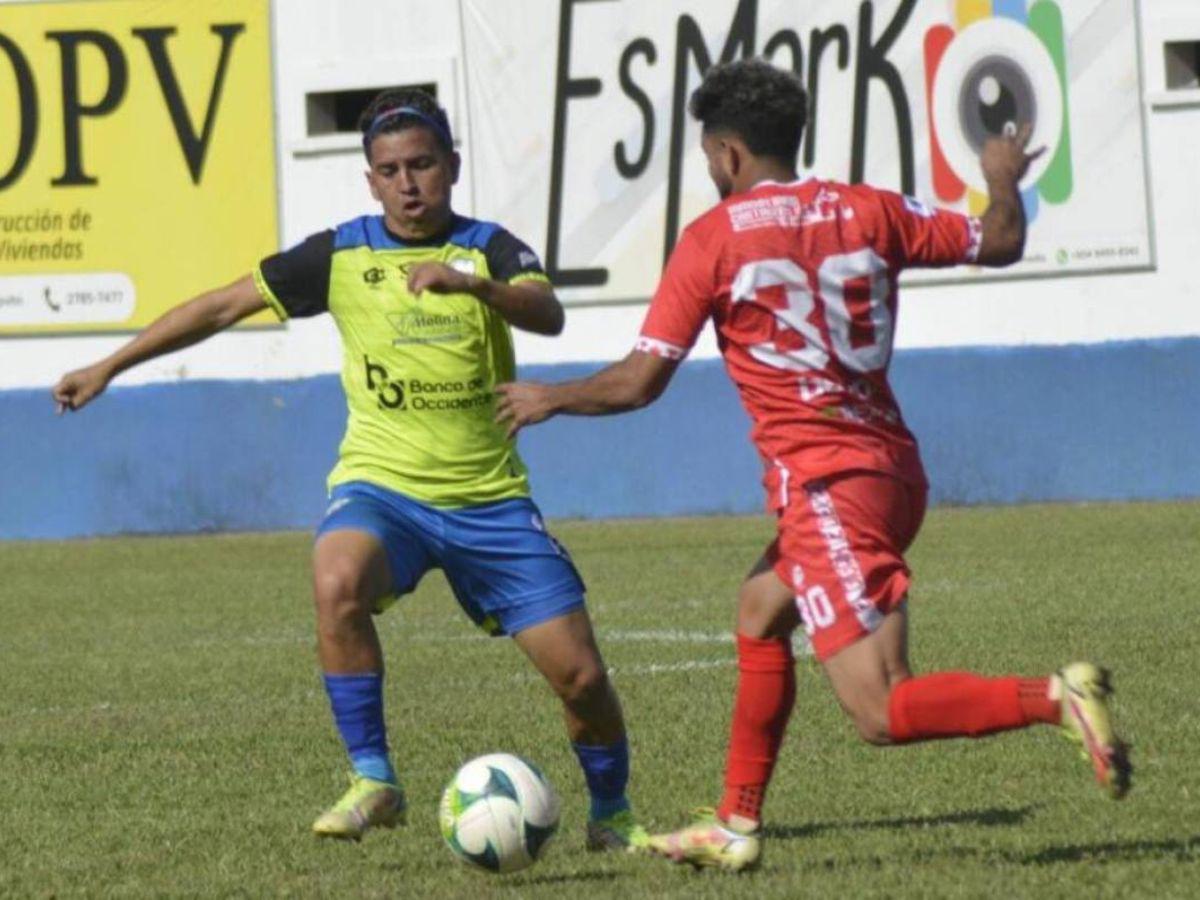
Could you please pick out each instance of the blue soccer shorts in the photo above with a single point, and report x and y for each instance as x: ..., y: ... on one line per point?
x: 506, y: 570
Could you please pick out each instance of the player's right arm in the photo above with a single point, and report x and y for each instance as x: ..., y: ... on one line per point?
x: 681, y: 306
x: 186, y: 324
x: 293, y: 284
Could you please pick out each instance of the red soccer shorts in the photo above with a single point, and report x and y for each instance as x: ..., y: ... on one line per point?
x: 840, y: 547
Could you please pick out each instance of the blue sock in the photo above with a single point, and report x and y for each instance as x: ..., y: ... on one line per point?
x: 606, y: 769
x: 357, y: 704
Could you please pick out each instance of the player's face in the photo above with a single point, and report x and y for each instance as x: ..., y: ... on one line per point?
x: 412, y: 175
x: 721, y: 163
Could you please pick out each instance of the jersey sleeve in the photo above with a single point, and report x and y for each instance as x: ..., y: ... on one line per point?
x: 511, y: 260
x: 911, y: 234
x: 682, y: 303
x: 295, y: 283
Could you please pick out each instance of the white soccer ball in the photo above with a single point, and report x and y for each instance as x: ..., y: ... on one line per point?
x: 498, y: 813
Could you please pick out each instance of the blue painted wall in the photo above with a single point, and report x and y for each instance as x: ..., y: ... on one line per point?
x: 1104, y: 422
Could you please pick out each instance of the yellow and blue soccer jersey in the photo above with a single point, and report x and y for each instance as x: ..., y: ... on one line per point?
x: 419, y: 374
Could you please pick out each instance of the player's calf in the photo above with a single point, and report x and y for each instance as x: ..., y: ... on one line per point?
x: 564, y: 650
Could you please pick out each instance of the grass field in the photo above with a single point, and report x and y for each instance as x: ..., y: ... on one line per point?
x: 163, y: 730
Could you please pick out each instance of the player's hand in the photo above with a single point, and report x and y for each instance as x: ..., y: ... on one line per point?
x: 1007, y: 159
x: 521, y: 403
x: 76, y: 389
x: 439, y: 278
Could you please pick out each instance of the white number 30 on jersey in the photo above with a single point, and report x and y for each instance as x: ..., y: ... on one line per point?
x: 803, y: 300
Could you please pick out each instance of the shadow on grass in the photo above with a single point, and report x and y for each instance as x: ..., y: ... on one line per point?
x: 519, y: 879
x: 1183, y: 850
x: 563, y: 878
x: 993, y: 817
x: 1171, y: 850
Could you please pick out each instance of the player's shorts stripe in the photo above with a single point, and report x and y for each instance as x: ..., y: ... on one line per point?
x: 974, y: 238
x: 655, y: 347
x: 845, y: 564
x: 784, y: 476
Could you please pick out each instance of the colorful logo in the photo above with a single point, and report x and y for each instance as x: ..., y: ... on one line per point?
x: 1004, y: 65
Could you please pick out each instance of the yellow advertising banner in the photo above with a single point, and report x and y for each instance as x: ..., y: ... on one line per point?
x: 137, y: 158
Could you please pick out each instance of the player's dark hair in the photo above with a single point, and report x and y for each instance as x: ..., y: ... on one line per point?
x: 764, y: 106
x: 399, y: 108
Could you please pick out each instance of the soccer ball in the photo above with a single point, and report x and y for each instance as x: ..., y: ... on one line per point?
x: 498, y: 813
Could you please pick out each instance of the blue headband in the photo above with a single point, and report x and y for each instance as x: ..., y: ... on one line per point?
x: 384, y: 117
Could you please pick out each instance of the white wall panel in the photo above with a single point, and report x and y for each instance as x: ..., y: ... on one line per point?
x: 323, y: 45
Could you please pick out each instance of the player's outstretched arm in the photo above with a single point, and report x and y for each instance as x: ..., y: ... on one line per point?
x: 186, y: 324
x: 528, y: 305
x: 1005, y: 161
x: 632, y: 383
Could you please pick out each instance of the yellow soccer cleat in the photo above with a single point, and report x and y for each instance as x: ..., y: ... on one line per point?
x: 619, y: 831
x: 1085, y: 689
x: 709, y: 843
x: 368, y: 804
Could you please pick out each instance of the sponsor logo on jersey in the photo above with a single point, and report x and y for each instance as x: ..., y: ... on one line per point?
x: 423, y: 394
x: 781, y: 211
x: 426, y: 328
x: 448, y: 396
x: 463, y: 264
x: 786, y: 211
x: 374, y: 276
x: 389, y: 393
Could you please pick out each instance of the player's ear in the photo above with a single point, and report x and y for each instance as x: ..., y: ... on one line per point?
x: 455, y: 166
x: 732, y: 154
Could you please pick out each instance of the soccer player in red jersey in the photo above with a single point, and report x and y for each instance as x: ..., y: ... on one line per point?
x: 799, y: 278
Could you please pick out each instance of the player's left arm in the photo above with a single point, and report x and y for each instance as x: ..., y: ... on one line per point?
x: 633, y: 382
x: 910, y: 234
x: 516, y: 285
x: 1004, y: 161
x: 528, y: 305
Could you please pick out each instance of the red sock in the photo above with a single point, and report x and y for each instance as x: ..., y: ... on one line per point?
x: 961, y: 704
x: 1034, y: 696
x: 766, y: 691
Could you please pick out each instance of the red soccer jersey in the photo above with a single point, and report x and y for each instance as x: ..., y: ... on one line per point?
x: 800, y: 282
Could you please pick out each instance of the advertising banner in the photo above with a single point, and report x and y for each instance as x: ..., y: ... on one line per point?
x: 592, y: 156
x: 137, y: 158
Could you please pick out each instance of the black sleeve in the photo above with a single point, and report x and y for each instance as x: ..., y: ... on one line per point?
x: 298, y: 279
x: 509, y: 257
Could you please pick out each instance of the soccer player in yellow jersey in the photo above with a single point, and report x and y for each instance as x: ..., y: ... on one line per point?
x: 423, y: 299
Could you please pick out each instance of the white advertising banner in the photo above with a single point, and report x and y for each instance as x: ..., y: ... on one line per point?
x: 581, y: 142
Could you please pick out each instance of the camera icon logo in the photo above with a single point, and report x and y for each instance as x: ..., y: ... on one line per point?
x: 1004, y: 64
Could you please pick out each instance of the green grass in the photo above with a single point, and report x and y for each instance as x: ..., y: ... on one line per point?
x: 163, y: 730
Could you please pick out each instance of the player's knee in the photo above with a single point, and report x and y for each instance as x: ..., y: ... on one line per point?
x: 763, y: 618
x: 339, y: 593
x: 870, y: 717
x: 584, y: 685
x: 873, y: 729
